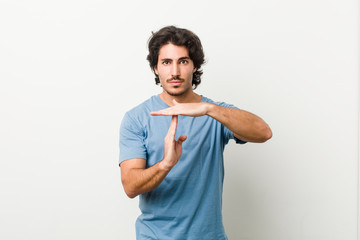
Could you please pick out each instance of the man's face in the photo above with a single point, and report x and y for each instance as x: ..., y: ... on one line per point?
x: 175, y: 69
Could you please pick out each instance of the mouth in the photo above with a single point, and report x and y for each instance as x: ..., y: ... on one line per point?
x: 175, y: 82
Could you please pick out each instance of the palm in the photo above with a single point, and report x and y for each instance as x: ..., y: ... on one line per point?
x: 187, y: 109
x: 173, y: 148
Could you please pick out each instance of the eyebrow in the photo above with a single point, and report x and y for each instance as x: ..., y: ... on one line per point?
x: 169, y: 59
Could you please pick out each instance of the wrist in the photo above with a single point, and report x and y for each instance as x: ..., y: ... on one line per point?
x: 210, y: 107
x: 164, y: 166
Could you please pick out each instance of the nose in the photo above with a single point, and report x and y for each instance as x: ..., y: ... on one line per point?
x: 175, y: 70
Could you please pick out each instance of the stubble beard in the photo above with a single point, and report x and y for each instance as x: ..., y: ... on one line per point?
x: 176, y: 94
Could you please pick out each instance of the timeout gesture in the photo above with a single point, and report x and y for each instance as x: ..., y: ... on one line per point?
x: 173, y: 148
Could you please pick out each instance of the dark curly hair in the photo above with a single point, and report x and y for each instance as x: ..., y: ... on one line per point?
x: 179, y: 37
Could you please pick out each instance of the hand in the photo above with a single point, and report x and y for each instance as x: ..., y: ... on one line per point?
x: 173, y: 149
x: 187, y: 109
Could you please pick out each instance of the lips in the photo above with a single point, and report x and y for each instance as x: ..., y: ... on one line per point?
x: 175, y: 83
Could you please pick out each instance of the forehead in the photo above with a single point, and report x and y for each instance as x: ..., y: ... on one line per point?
x: 172, y: 51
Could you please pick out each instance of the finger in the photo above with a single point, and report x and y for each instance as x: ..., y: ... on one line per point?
x: 173, y: 126
x: 157, y: 113
x: 175, y: 102
x: 181, y: 139
x: 164, y: 112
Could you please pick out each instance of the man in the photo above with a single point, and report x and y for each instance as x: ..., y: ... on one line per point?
x: 171, y: 146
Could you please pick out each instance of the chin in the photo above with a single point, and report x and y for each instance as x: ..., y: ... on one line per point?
x: 175, y: 93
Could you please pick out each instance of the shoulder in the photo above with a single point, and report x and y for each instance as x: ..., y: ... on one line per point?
x: 143, y: 108
x: 138, y: 114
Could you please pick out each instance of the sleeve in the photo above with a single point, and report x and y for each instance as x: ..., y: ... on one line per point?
x: 132, y: 140
x: 227, y: 133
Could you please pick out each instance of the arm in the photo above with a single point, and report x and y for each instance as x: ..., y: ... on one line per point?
x: 245, y: 125
x: 137, y: 179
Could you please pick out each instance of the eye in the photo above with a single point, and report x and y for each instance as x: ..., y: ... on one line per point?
x: 166, y: 62
x: 184, y: 61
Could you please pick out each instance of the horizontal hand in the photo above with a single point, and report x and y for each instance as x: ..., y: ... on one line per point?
x: 187, y: 109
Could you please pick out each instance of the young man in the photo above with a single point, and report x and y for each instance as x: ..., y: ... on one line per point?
x: 171, y: 146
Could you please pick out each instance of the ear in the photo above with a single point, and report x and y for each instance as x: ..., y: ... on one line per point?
x: 194, y: 70
x: 155, y: 70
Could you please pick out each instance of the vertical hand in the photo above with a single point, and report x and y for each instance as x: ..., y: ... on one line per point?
x: 173, y: 149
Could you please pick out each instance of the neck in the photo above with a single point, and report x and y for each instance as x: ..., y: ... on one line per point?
x: 189, y: 97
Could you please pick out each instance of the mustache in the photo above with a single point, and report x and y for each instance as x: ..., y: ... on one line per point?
x: 175, y: 78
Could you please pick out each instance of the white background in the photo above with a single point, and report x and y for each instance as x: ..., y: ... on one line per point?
x: 69, y: 70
